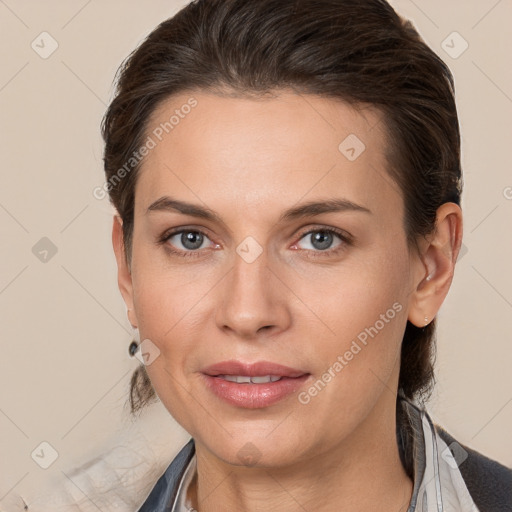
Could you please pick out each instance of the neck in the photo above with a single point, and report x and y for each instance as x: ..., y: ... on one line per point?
x: 359, y: 472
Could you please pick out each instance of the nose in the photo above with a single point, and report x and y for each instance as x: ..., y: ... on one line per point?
x: 252, y: 303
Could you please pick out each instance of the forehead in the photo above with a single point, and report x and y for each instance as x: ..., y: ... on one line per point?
x: 262, y: 153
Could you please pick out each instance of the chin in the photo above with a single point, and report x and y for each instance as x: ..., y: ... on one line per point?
x: 255, y: 450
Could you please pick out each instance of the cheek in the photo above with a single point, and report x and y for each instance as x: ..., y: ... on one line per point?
x: 369, y: 290
x: 168, y: 316
x: 164, y: 295
x: 359, y: 358
x: 365, y: 312
x: 164, y: 312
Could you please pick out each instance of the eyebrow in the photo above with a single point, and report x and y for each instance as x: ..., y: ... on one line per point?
x: 311, y: 208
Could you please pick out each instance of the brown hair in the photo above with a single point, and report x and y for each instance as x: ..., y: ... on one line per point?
x: 359, y: 51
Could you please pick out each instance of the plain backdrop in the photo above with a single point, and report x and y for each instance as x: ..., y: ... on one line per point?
x: 65, y: 367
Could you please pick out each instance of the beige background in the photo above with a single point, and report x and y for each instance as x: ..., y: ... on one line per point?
x: 64, y: 363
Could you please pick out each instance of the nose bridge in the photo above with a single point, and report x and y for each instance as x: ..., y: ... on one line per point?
x: 252, y: 298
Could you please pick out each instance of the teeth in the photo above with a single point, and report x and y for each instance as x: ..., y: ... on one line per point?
x: 244, y: 379
x: 266, y: 378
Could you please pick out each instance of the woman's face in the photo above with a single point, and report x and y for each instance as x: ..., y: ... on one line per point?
x: 251, y: 272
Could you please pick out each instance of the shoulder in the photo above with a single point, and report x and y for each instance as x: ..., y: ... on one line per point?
x: 488, y: 481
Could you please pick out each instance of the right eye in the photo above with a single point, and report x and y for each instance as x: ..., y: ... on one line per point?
x: 185, y: 242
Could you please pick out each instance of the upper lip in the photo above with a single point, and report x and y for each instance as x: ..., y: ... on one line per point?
x: 256, y: 369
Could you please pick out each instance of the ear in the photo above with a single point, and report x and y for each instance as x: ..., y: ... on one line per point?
x: 436, y: 265
x: 124, y: 277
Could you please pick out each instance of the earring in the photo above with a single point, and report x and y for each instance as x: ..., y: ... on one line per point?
x: 428, y: 278
x: 426, y: 321
x: 132, y: 349
x: 134, y: 345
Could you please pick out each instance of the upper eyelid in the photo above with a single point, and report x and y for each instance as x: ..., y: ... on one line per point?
x: 337, y: 231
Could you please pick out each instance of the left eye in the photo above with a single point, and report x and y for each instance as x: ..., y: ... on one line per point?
x: 321, y: 239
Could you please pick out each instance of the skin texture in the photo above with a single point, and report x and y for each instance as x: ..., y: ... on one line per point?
x: 248, y: 160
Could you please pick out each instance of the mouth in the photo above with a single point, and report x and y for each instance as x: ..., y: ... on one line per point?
x: 253, y: 385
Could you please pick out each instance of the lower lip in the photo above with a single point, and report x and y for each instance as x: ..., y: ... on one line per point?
x: 254, y: 396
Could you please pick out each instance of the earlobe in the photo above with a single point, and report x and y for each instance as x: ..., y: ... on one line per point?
x: 436, y: 265
x: 124, y: 277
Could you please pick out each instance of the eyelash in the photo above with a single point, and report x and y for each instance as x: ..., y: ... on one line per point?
x: 346, y: 240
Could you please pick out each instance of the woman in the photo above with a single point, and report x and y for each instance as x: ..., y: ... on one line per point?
x: 287, y: 183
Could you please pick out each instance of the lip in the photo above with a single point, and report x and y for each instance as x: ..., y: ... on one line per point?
x: 234, y: 367
x: 253, y: 396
